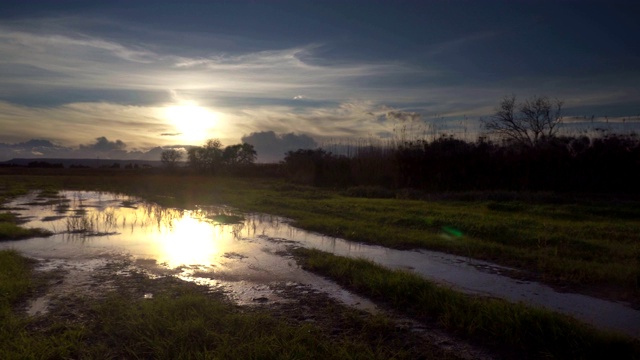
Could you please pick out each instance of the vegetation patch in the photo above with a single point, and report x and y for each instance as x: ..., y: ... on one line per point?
x: 373, y: 192
x: 9, y: 230
x: 53, y: 218
x: 499, y: 322
x: 48, y: 194
x: 128, y: 204
x: 192, y: 325
x: 226, y: 219
x: 15, y: 280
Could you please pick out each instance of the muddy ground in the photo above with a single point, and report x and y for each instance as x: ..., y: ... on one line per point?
x: 67, y: 288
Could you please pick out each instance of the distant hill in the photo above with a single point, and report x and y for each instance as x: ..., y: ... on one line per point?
x: 92, y: 163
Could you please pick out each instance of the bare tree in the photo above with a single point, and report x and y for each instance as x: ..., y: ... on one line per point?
x: 528, y: 122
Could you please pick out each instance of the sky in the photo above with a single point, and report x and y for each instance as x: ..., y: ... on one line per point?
x: 126, y: 79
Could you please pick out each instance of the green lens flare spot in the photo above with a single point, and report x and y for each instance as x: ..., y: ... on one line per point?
x: 452, y: 231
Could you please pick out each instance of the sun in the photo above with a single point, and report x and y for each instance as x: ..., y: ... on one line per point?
x: 193, y: 122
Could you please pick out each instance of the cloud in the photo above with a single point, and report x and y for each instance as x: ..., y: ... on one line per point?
x: 271, y: 147
x: 137, y: 126
x: 60, y: 58
x: 32, y: 148
x: 403, y: 116
x: 103, y: 144
x: 82, y: 43
x: 102, y: 148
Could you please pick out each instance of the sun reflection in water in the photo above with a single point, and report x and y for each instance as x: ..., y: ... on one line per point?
x: 205, y: 237
x: 171, y: 237
x: 189, y: 240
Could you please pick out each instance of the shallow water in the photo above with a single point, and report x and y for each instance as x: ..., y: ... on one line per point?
x: 247, y: 258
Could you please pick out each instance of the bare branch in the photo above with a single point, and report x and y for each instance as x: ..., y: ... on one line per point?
x: 526, y: 123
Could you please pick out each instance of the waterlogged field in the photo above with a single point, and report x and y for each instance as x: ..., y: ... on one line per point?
x: 584, y: 244
x: 588, y: 244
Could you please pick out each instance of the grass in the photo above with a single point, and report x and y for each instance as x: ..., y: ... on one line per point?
x: 193, y: 326
x: 182, y: 321
x: 10, y: 230
x: 14, y: 279
x: 588, y: 243
x: 226, y: 219
x: 497, y: 322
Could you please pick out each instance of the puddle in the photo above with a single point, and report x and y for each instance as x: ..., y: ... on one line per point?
x: 209, y: 245
x: 243, y: 253
x: 74, y: 277
x: 38, y: 306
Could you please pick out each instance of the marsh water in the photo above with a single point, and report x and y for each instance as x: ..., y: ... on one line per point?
x: 245, y: 254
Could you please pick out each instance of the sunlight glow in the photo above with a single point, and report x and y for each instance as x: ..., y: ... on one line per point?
x: 190, y: 241
x: 192, y: 121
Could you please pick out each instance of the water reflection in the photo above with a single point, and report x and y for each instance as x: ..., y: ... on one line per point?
x: 173, y: 237
x: 246, y: 254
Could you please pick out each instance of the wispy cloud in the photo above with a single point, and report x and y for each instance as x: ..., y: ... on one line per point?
x: 82, y: 61
x: 72, y: 123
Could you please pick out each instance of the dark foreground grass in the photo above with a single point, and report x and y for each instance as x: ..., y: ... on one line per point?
x: 588, y: 243
x: 191, y: 325
x: 521, y: 329
x: 16, y: 341
x: 15, y: 279
x: 10, y: 230
x: 181, y: 322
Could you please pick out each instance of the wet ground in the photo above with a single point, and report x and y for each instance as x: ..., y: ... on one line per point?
x: 69, y: 284
x: 246, y: 257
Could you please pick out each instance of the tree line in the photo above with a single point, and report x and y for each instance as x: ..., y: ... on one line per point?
x: 212, y: 157
x: 607, y: 164
x: 528, y: 155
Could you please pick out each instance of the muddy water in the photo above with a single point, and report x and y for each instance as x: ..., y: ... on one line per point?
x: 244, y: 255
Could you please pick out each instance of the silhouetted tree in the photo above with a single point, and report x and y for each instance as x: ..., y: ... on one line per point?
x: 171, y: 157
x: 44, y: 164
x: 528, y: 122
x: 239, y: 154
x: 318, y: 167
x: 207, y: 157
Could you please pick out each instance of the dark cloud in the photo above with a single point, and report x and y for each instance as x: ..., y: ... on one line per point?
x: 170, y: 134
x: 271, y: 147
x: 32, y: 148
x: 103, y: 145
x: 52, y: 95
x: 403, y: 116
x: 36, y: 143
x: 102, y: 148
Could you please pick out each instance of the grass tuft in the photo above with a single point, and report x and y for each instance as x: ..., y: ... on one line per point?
x: 9, y: 230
